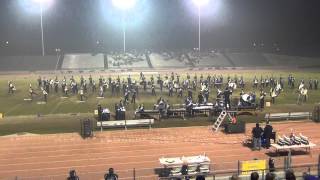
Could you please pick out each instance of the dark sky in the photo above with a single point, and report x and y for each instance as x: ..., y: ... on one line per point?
x: 76, y: 25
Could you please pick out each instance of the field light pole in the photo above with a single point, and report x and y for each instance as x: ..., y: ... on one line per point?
x: 41, y: 4
x: 124, y: 5
x: 124, y: 31
x: 199, y: 4
x: 199, y: 29
x: 42, y: 35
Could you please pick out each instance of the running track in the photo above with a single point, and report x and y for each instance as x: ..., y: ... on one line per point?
x: 37, y: 157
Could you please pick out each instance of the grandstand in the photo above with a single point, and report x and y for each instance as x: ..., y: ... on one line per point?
x: 250, y: 59
x: 127, y: 61
x: 154, y: 60
x: 167, y: 60
x: 83, y: 61
x: 293, y: 61
x: 211, y: 60
x: 28, y: 63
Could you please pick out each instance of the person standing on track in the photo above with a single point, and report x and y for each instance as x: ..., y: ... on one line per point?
x: 73, y: 175
x: 111, y: 175
x: 267, y: 133
x: 256, y: 137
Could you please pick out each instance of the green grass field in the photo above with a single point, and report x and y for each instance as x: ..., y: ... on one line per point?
x: 57, y: 110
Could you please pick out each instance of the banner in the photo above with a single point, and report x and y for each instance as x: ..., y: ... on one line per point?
x: 255, y: 165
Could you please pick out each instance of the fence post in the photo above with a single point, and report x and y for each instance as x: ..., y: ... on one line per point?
x: 238, y: 168
x: 289, y: 159
x: 319, y: 165
x: 134, y: 173
x: 285, y: 163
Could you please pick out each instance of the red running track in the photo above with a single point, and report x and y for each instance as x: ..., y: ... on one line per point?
x: 37, y: 157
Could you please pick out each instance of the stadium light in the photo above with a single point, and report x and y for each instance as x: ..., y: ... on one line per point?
x: 124, y: 5
x: 200, y: 3
x: 42, y: 3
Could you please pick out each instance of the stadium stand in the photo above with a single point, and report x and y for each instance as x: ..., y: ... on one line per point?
x: 166, y: 60
x: 27, y: 63
x: 248, y: 59
x: 105, y: 61
x: 211, y: 60
x: 285, y: 60
x: 129, y: 60
x: 60, y: 61
x: 83, y: 61
x: 148, y: 61
x: 229, y: 60
x: 114, y: 61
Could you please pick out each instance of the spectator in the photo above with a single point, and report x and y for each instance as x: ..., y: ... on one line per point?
x: 307, y: 176
x: 100, y: 112
x: 290, y: 175
x: 270, y: 176
x: 256, y: 137
x: 235, y: 177
x: 271, y: 165
x: 254, y: 176
x: 267, y: 133
x: 184, y: 171
x: 111, y: 175
x: 73, y: 175
x: 200, y: 178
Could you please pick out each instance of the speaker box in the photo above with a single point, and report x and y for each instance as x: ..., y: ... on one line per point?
x: 239, y: 127
x: 105, y: 116
x: 316, y: 114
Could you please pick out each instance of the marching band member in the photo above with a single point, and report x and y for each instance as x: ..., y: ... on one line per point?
x: 45, y: 94
x: 31, y: 93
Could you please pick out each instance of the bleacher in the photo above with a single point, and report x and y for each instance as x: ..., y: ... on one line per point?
x: 154, y: 60
x: 248, y: 59
x: 83, y: 61
x: 212, y: 60
x: 119, y: 61
x: 28, y: 63
x: 161, y: 61
x: 292, y: 61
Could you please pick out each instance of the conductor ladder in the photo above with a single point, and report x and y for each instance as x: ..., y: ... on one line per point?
x: 220, y: 119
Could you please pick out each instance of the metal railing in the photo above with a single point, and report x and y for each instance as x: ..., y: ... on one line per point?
x: 155, y: 173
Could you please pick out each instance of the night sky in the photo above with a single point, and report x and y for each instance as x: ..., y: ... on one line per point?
x: 76, y: 26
